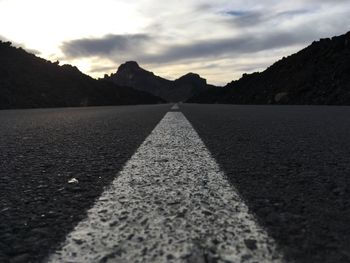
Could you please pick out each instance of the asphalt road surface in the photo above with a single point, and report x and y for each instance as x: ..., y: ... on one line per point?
x: 291, y: 165
x: 274, y: 180
x: 41, y: 150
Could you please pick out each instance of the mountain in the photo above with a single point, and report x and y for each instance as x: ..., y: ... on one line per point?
x: 318, y: 74
x: 131, y: 74
x: 27, y: 81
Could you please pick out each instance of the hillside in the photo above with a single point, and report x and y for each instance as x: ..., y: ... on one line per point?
x: 131, y: 74
x: 318, y: 74
x: 27, y: 81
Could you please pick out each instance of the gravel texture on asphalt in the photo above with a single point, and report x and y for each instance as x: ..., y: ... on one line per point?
x: 170, y: 203
x: 54, y: 163
x: 291, y: 166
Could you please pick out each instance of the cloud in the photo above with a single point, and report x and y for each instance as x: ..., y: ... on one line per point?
x: 230, y: 46
x: 147, y: 49
x: 296, y: 12
x: 245, y: 18
x: 175, y: 35
x: 136, y: 47
x: 236, y: 13
x: 203, y: 7
x: 254, y: 19
x: 322, y: 1
x: 104, y: 46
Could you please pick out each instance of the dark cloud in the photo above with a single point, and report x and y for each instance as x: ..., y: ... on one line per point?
x: 128, y: 47
x: 254, y: 18
x: 230, y: 46
x: 107, y: 45
x: 236, y: 13
x: 296, y: 12
x: 245, y: 18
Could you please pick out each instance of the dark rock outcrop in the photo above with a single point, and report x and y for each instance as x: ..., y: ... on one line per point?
x: 27, y: 81
x: 131, y: 74
x: 318, y: 74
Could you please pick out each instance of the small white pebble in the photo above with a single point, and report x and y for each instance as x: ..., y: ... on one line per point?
x: 73, y: 181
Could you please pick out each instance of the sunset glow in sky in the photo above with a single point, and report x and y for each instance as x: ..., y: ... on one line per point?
x: 219, y: 40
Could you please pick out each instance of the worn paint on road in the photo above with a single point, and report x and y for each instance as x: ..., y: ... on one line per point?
x: 170, y: 203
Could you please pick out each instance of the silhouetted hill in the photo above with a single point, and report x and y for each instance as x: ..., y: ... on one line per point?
x: 27, y: 81
x: 318, y: 74
x: 131, y: 74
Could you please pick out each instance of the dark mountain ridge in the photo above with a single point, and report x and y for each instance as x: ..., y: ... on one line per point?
x: 181, y: 89
x: 27, y: 81
x: 318, y: 74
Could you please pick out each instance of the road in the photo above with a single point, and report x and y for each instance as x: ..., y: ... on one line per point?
x: 284, y: 170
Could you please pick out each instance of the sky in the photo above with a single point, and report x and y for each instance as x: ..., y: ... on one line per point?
x: 220, y: 40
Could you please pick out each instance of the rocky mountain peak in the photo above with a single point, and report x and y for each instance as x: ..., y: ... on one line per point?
x: 192, y: 78
x: 132, y: 75
x: 191, y: 75
x: 129, y: 66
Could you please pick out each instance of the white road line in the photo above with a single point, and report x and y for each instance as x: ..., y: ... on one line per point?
x: 170, y: 203
x: 175, y: 107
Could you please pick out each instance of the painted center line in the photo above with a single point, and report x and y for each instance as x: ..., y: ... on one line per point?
x: 175, y: 107
x: 170, y: 203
